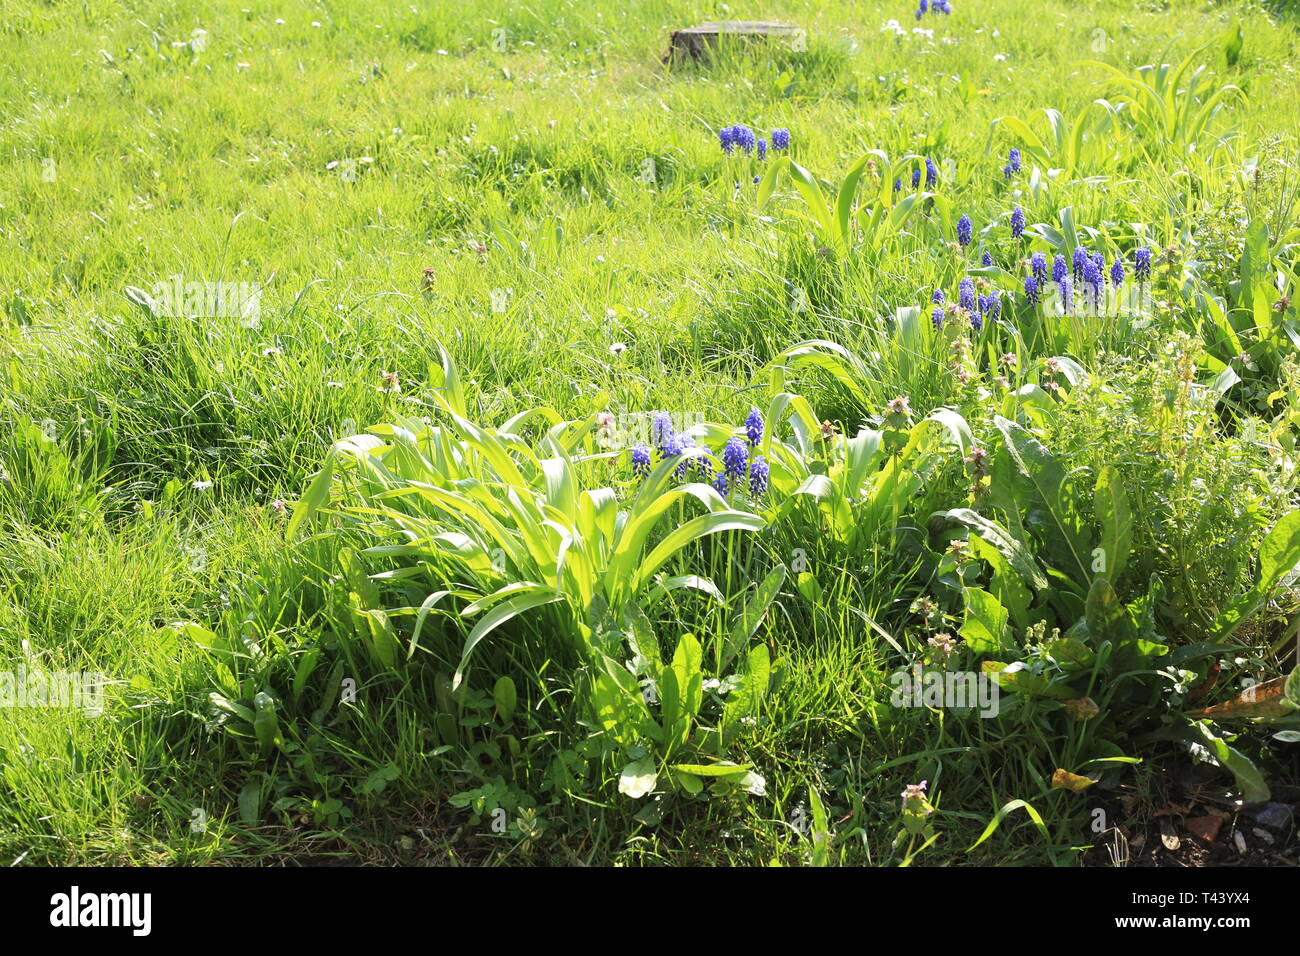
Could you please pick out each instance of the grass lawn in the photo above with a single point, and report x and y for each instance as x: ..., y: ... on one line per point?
x: 460, y: 433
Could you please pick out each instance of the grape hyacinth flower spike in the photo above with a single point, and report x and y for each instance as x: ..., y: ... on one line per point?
x: 1142, y: 264
x: 735, y: 458
x: 966, y: 295
x: 661, y: 431
x: 1080, y: 259
x: 1038, y: 265
x: 641, y: 460
x: 964, y: 230
x: 754, y: 427
x: 1031, y: 289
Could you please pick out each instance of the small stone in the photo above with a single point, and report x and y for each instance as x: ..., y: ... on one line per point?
x: 1275, y: 815
x: 1264, y: 835
x: 1205, y: 828
x: 1240, y: 841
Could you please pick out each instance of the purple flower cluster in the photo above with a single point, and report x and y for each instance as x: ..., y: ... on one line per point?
x: 1017, y: 223
x: 964, y: 230
x: 1038, y: 265
x: 744, y: 137
x: 738, y: 135
x: 1142, y: 264
x: 991, y: 305
x: 977, y: 307
x: 1078, y: 261
x: 1093, y: 281
x: 934, y: 6
x: 1087, y: 273
x: 1013, y: 163
x: 966, y: 294
x: 736, y: 463
x: 1032, y: 284
x: 931, y: 176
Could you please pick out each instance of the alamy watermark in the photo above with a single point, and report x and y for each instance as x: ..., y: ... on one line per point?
x: 178, y: 299
x: 945, y: 690
x: 616, y: 431
x: 41, y: 688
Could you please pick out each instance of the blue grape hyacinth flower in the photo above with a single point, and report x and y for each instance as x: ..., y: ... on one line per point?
x: 745, y: 138
x: 966, y: 295
x: 780, y: 139
x: 1117, y: 272
x: 1080, y: 259
x: 1059, y: 269
x: 1067, y: 295
x: 762, y: 149
x: 986, y: 259
x: 936, y: 317
x: 661, y: 431
x: 938, y: 297
x: 993, y: 308
x: 1013, y: 160
x: 735, y: 458
x: 754, y: 427
x: 1142, y: 264
x: 758, y: 476
x: 1017, y: 223
x: 1093, y: 281
x: 931, y: 173
x: 641, y: 460
x: 678, y: 446
x: 1031, y: 289
x: 964, y: 230
x: 1038, y: 265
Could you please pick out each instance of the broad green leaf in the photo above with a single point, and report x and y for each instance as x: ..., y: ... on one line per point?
x: 1111, y: 506
x: 751, y: 616
x: 1017, y: 554
x: 1254, y: 789
x: 985, y: 626
x: 316, y: 496
x: 496, y: 617
x: 505, y: 697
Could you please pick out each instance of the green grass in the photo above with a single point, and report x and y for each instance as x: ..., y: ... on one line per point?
x: 332, y: 158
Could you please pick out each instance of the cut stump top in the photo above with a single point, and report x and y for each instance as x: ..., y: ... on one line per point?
x: 694, y: 40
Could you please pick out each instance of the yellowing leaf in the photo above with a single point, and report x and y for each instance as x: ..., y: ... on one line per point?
x: 1064, y: 780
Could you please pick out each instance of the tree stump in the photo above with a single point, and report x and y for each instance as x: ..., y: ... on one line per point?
x: 695, y: 42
